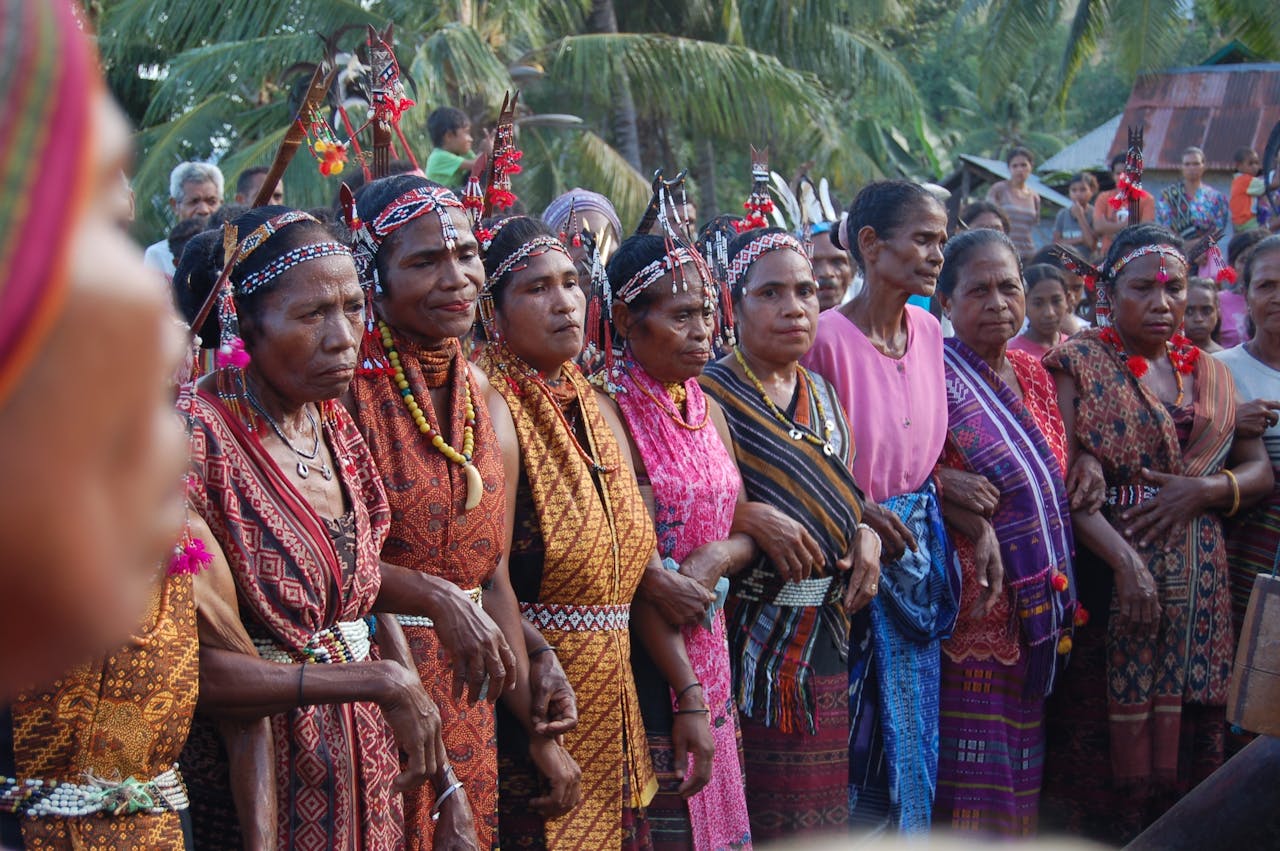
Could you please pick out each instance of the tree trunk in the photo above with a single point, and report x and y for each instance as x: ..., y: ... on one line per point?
x: 704, y: 171
x: 623, y: 131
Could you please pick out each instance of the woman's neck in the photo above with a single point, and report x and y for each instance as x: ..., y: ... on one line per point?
x: 880, y: 312
x: 1191, y: 187
x: 1150, y: 351
x: 992, y: 356
x: 770, y: 373
x: 1036, y: 337
x: 1266, y: 348
x: 288, y: 414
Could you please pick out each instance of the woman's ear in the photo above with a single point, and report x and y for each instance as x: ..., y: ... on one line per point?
x: 868, y: 244
x: 622, y: 322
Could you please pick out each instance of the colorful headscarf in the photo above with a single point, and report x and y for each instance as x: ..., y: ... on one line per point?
x: 49, y: 79
x: 579, y: 200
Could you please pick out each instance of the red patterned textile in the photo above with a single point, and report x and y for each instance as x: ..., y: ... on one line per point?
x: 334, y: 764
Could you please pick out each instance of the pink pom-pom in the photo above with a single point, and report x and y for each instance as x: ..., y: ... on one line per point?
x: 233, y: 354
x: 190, y: 558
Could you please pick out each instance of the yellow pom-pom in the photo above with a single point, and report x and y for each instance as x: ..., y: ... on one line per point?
x: 337, y: 167
x: 321, y: 147
x: 1064, y: 645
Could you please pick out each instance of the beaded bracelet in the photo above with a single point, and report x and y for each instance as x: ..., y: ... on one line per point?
x: 1235, y: 492
x: 546, y: 648
x: 435, y: 813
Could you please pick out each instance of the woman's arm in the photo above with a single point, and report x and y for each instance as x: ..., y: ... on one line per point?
x: 690, y: 730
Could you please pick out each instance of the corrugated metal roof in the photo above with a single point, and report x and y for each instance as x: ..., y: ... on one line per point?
x: 1218, y: 108
x: 1087, y: 153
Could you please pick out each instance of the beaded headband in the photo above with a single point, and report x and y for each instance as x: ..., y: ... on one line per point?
x: 524, y: 252
x: 754, y: 250
x: 287, y: 261
x: 264, y: 231
x: 404, y: 209
x: 1165, y: 251
x: 643, y: 279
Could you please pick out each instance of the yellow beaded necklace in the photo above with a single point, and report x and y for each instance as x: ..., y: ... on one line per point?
x: 475, y: 484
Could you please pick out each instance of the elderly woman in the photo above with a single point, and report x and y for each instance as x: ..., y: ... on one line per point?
x: 1160, y: 418
x: 295, y: 516
x: 1255, y: 365
x: 89, y: 514
x: 884, y: 358
x: 663, y: 319
x: 583, y: 541
x: 788, y: 612
x: 1009, y: 503
x: 448, y: 498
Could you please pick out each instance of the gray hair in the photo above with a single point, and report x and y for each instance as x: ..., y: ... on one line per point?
x: 194, y: 172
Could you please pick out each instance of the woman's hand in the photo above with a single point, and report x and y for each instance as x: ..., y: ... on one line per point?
x: 554, y: 706
x: 1253, y: 418
x: 1086, y: 484
x: 680, y: 600
x: 691, y: 737
x: 895, y: 537
x: 989, y: 567
x: 476, y: 647
x: 706, y: 564
x: 1180, y: 500
x: 561, y: 772
x: 1136, y: 593
x: 415, y: 723
x: 969, y: 491
x: 455, y: 830
x: 788, y: 545
x: 863, y: 560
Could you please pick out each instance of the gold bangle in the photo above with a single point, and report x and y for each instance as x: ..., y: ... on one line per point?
x: 1235, y: 492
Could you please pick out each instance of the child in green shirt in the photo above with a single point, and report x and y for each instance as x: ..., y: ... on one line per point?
x: 451, y: 159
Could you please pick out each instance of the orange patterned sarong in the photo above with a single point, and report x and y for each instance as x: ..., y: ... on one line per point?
x: 598, y: 537
x: 123, y: 715
x: 432, y: 532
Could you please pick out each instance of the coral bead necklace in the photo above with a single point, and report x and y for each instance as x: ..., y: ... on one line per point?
x: 475, y: 484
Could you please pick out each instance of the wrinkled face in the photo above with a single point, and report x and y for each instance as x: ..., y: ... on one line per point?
x: 1079, y: 192
x: 541, y: 311
x: 777, y: 311
x: 1019, y: 169
x: 987, y: 220
x: 987, y: 305
x: 671, y: 335
x: 1192, y: 167
x: 87, y: 534
x: 1145, y: 310
x: 429, y: 291
x: 833, y: 269
x: 305, y: 335
x: 198, y: 199
x: 909, y: 257
x: 1264, y: 294
x: 1201, y: 316
x: 1047, y: 304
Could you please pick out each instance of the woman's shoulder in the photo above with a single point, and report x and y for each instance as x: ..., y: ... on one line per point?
x: 1069, y: 355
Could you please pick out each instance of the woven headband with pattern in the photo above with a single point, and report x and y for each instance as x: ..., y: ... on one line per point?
x: 411, y: 205
x: 754, y: 250
x: 264, y: 231
x: 287, y: 261
x: 1142, y: 251
x: 643, y: 279
x: 525, y: 251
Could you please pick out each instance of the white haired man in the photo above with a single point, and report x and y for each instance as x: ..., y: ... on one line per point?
x: 195, y: 189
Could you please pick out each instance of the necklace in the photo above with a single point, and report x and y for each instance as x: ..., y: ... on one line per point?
x: 475, y: 483
x: 671, y: 408
x: 794, y: 431
x: 1182, y: 354
x: 304, y: 470
x: 500, y: 361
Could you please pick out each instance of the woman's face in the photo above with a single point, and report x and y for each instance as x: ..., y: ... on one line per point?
x: 1264, y: 294
x: 1019, y: 169
x: 908, y: 257
x: 90, y: 433
x: 1192, y: 167
x: 777, y: 312
x: 1046, y: 307
x: 542, y: 310
x: 671, y: 336
x: 1201, y: 316
x: 987, y: 220
x: 305, y: 336
x: 429, y: 291
x: 1145, y: 310
x: 1079, y: 192
x: 987, y: 306
x: 1075, y: 289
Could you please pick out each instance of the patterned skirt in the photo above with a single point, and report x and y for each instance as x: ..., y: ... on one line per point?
x: 990, y: 749
x: 796, y: 782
